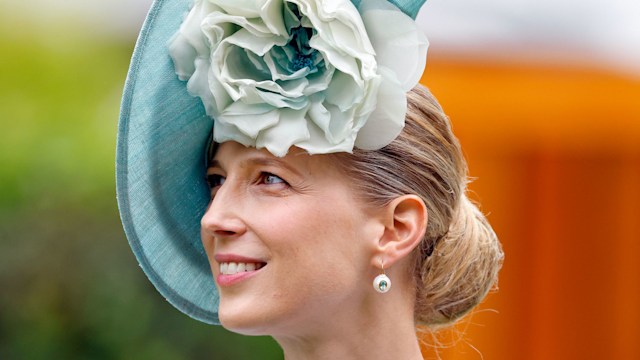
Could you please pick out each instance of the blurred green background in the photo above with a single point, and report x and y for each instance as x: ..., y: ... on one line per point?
x: 553, y: 140
x: 70, y: 286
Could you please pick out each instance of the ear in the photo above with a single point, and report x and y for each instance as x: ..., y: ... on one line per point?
x: 405, y: 226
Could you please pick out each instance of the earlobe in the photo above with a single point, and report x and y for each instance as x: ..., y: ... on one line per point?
x: 406, y: 224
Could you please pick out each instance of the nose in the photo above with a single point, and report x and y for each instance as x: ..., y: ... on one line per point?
x: 222, y: 218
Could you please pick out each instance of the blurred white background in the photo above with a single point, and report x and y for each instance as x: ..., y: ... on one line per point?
x: 590, y: 32
x: 543, y: 96
x: 601, y: 33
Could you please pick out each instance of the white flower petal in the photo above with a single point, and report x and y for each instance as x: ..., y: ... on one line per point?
x: 183, y: 56
x: 191, y: 27
x: 258, y: 45
x: 401, y: 47
x: 198, y: 85
x: 291, y: 129
x: 252, y: 95
x: 243, y: 8
x: 189, y: 42
x: 338, y: 59
x: 387, y: 120
x: 215, y: 29
x: 343, y: 91
x: 222, y: 69
x: 250, y: 119
x: 319, y: 115
x: 257, y: 62
x: 319, y: 81
x: 271, y: 14
x: 239, y: 65
x: 318, y: 143
x: 208, y: 88
x: 223, y: 132
x: 341, y: 125
x: 366, y: 107
x: 230, y: 22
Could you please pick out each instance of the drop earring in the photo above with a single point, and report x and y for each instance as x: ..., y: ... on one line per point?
x: 382, y: 283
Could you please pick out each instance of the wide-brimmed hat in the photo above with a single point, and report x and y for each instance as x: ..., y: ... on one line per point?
x: 163, y: 134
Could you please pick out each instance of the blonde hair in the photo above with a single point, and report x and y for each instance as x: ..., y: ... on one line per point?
x: 458, y: 260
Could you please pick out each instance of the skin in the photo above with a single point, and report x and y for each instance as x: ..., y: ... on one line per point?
x: 321, y: 249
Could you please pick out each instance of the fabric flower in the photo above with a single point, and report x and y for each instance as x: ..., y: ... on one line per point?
x: 318, y: 74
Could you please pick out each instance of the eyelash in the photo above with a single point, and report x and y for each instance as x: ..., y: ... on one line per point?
x: 215, y: 180
x: 262, y: 179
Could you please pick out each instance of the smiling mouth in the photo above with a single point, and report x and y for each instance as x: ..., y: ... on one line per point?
x: 232, y: 268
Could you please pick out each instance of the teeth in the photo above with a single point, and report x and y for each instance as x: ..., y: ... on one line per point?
x: 232, y: 268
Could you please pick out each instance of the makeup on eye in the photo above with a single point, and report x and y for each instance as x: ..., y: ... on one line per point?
x: 215, y: 180
x: 264, y: 178
x: 268, y: 178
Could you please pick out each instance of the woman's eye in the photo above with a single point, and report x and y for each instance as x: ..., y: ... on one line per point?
x: 214, y: 180
x: 271, y: 179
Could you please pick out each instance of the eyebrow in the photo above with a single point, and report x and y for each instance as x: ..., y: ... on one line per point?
x: 259, y: 160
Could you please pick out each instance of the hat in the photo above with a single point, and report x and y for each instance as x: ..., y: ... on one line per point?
x: 167, y: 115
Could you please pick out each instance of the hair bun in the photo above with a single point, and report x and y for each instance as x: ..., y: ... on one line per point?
x: 462, y: 268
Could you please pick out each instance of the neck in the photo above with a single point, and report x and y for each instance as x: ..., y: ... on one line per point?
x: 387, y: 332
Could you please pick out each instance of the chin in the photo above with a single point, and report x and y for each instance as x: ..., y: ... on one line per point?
x: 243, y: 327
x: 243, y: 322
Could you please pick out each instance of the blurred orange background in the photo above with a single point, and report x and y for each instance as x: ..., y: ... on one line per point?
x: 555, y: 151
x: 544, y: 96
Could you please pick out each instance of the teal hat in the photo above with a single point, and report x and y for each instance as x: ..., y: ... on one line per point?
x: 163, y: 135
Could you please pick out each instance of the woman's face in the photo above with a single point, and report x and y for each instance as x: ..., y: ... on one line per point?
x: 290, y: 247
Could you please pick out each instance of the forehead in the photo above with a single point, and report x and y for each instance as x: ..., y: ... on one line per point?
x: 234, y: 155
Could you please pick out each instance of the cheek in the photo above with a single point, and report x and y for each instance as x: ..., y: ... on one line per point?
x: 209, y: 246
x: 318, y: 242
x: 207, y: 241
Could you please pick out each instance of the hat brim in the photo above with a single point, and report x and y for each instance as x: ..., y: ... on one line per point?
x: 163, y: 133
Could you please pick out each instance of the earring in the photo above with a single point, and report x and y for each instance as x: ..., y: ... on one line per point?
x: 382, y: 283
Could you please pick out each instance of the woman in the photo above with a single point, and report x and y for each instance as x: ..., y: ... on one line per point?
x: 333, y: 216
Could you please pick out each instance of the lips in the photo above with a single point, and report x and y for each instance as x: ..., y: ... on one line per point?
x: 235, y: 268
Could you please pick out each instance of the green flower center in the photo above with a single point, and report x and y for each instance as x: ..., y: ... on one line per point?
x: 302, y: 55
x: 302, y: 61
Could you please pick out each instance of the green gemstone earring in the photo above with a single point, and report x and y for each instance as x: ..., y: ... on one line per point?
x: 382, y: 283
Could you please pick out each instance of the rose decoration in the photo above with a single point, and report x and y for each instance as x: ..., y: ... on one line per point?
x: 321, y: 75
